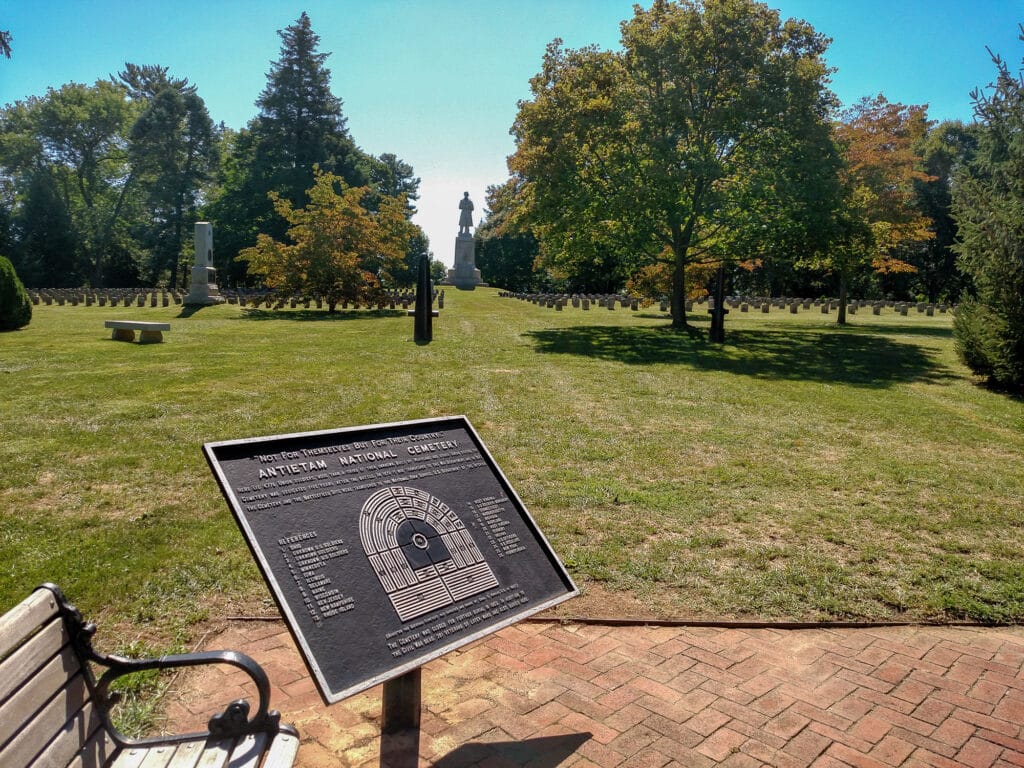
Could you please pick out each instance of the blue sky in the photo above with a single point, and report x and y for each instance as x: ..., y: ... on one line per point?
x: 436, y: 81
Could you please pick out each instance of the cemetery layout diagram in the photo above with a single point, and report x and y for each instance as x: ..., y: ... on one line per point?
x: 421, y: 552
x: 386, y: 546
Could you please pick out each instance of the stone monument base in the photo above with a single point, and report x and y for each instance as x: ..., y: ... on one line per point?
x: 203, y: 288
x: 464, y: 276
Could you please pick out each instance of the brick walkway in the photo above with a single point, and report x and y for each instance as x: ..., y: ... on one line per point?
x: 549, y: 694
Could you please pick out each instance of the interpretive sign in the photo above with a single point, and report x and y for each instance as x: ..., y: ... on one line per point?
x: 386, y: 546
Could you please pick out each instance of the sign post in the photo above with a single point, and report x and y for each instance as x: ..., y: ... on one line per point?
x: 400, y: 721
x: 385, y: 547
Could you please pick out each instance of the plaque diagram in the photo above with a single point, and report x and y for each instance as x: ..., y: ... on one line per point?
x: 421, y: 552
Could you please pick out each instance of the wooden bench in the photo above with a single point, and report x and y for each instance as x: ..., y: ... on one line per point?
x: 54, y: 712
x: 149, y: 333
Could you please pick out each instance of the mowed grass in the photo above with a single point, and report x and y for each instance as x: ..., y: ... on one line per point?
x: 800, y: 471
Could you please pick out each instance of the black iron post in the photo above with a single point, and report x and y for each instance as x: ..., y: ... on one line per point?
x: 424, y: 303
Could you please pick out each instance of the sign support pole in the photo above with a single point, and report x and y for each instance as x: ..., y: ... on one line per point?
x: 400, y: 721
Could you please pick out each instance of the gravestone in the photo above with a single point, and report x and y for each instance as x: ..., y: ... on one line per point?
x: 203, y: 286
x: 386, y: 546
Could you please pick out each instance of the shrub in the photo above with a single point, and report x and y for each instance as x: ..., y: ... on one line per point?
x: 15, y: 306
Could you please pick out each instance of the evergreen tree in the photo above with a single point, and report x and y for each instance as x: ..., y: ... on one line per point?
x: 300, y: 126
x: 988, y: 204
x: 174, y: 151
x: 47, y: 253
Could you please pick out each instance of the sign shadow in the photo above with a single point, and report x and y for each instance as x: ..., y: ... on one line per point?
x: 542, y: 752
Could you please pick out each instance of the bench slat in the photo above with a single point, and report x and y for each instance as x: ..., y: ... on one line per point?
x: 54, y: 736
x: 32, y: 656
x: 25, y: 618
x: 248, y: 751
x: 186, y: 755
x: 282, y: 751
x: 215, y: 753
x: 211, y: 753
x: 97, y: 752
x: 33, y: 695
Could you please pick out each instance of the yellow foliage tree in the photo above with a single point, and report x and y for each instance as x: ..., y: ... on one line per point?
x: 879, y: 141
x: 340, y: 251
x: 655, y: 280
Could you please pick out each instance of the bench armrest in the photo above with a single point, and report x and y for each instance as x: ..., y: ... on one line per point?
x: 234, y: 720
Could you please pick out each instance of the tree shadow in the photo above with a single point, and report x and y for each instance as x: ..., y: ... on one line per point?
x: 542, y: 752
x: 318, y: 315
x: 913, y: 330
x: 861, y: 359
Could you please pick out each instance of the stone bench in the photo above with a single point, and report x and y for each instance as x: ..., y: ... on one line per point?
x: 149, y: 333
x: 55, y: 712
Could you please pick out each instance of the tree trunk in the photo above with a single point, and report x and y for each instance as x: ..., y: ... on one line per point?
x: 176, y: 257
x: 679, y: 294
x: 841, y: 319
x: 681, y: 238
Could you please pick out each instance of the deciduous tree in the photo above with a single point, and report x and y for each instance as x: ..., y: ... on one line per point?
x: 506, y: 251
x: 699, y: 131
x: 880, y: 213
x: 74, y: 140
x: 339, y: 250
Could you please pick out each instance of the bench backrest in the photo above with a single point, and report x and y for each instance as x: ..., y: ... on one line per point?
x: 47, y: 717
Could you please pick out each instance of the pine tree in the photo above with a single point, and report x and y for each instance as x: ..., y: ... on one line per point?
x: 174, y: 150
x: 300, y: 123
x: 300, y: 126
x: 988, y: 204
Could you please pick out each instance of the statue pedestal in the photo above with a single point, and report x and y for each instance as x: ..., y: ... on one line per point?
x: 464, y: 275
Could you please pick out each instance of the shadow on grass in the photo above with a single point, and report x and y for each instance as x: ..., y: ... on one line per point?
x: 318, y: 315
x: 187, y: 310
x: 861, y: 359
x: 910, y: 330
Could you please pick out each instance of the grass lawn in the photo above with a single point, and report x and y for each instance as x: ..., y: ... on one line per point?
x: 800, y: 471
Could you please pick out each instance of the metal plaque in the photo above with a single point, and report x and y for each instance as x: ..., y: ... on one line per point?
x: 388, y: 545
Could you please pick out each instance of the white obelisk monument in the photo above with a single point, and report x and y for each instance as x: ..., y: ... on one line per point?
x: 203, y: 288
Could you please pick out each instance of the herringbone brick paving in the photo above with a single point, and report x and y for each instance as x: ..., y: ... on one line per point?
x: 543, y: 694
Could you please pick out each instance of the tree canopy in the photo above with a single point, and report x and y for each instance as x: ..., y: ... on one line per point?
x: 300, y: 128
x: 339, y: 250
x: 988, y: 204
x: 701, y: 134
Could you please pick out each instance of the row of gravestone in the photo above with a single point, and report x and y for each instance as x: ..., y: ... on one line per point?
x: 139, y: 297
x: 743, y: 303
x: 389, y: 300
x: 559, y: 301
x: 102, y: 298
